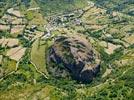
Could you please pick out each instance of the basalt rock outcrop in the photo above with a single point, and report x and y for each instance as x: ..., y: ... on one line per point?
x: 73, y: 56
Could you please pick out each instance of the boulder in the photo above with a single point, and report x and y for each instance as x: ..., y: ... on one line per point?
x: 74, y: 56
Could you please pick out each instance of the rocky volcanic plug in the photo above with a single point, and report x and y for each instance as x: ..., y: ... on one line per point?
x: 73, y: 56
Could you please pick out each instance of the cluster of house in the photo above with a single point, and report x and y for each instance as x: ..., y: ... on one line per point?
x: 31, y: 33
x: 66, y: 19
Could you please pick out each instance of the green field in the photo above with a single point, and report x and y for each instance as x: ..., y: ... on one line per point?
x: 38, y: 55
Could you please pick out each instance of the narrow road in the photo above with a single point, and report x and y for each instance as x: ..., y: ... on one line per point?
x: 38, y: 70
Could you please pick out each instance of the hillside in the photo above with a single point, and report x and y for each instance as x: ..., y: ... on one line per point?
x: 123, y: 6
x: 66, y: 50
x: 51, y: 7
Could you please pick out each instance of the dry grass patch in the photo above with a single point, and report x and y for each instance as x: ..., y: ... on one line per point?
x: 4, y: 27
x: 17, y: 29
x: 9, y: 42
x: 129, y: 39
x: 14, y: 12
x: 16, y: 53
x: 111, y: 47
x: 17, y: 21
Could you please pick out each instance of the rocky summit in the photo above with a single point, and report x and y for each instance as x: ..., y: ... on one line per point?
x: 75, y: 56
